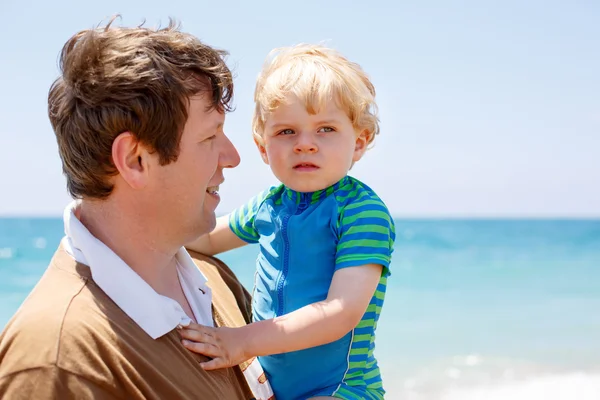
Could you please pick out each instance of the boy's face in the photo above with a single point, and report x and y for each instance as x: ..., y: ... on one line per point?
x: 310, y: 152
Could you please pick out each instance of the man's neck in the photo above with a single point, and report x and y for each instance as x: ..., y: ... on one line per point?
x: 136, y: 241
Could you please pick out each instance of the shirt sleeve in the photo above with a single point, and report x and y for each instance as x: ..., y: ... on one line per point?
x: 366, y: 234
x: 241, y: 220
x: 52, y: 382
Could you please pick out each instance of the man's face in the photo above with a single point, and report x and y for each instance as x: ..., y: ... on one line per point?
x: 185, y: 192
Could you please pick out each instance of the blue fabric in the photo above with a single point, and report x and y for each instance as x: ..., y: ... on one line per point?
x: 303, y: 240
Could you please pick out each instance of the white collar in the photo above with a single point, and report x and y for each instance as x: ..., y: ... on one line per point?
x: 154, y: 313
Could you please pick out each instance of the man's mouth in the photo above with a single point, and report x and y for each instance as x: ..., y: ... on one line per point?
x: 213, y: 190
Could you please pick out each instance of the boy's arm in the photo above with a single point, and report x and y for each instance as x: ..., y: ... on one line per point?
x: 219, y: 240
x: 366, y: 235
x: 233, y: 230
x: 319, y: 323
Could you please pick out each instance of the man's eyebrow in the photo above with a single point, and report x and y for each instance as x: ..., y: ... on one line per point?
x: 217, y: 125
x: 210, y: 130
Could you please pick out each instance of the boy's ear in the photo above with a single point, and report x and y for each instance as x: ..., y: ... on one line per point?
x: 362, y: 141
x: 261, y: 149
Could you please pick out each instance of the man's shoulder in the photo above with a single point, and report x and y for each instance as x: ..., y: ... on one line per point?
x: 62, y: 317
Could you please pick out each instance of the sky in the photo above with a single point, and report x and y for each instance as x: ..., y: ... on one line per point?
x: 487, y: 108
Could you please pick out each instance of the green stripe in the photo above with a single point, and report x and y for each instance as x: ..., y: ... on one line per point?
x: 374, y: 396
x: 374, y: 243
x: 362, y: 257
x: 344, y: 393
x: 357, y: 364
x: 366, y: 323
x: 371, y: 374
x: 368, y: 202
x: 353, y: 375
x: 370, y: 216
x: 369, y: 229
x: 362, y: 338
x: 353, y: 195
x: 367, y: 214
x: 371, y: 307
x: 376, y: 386
x: 374, y: 308
x: 358, y: 351
x: 351, y: 192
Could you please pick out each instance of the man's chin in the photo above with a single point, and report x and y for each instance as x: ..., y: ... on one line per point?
x: 213, y: 224
x: 209, y: 223
x: 205, y: 224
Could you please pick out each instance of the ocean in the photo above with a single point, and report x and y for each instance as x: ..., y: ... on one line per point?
x: 475, y: 309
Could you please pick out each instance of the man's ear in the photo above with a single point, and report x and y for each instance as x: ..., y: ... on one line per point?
x: 360, y: 147
x: 261, y: 148
x: 131, y: 160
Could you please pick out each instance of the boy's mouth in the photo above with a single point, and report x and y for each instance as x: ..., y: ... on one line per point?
x: 305, y: 166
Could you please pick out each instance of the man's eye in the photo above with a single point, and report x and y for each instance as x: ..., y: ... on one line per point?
x: 208, y: 139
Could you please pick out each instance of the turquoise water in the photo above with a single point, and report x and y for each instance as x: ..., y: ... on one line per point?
x: 475, y: 308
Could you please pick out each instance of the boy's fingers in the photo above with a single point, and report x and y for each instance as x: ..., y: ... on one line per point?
x: 201, y: 348
x: 215, y: 363
x: 196, y: 336
x: 194, y: 327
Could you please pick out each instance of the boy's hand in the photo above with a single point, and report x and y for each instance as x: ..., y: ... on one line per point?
x: 224, y: 345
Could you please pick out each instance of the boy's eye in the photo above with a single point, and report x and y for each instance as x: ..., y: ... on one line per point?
x: 286, y: 132
x: 326, y: 129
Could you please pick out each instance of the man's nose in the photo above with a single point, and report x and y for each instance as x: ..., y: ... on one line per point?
x: 230, y: 158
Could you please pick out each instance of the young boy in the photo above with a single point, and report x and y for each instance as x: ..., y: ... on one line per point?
x: 325, y: 238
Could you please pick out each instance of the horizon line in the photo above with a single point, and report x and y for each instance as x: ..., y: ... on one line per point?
x: 399, y: 216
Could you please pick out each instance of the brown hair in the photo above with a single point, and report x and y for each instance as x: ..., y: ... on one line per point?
x: 139, y: 80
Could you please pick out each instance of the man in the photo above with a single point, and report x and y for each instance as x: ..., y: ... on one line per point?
x: 138, y: 116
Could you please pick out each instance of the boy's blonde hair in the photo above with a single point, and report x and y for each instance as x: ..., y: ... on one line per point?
x: 316, y: 75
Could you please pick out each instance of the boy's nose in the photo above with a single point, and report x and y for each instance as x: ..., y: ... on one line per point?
x: 305, y: 144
